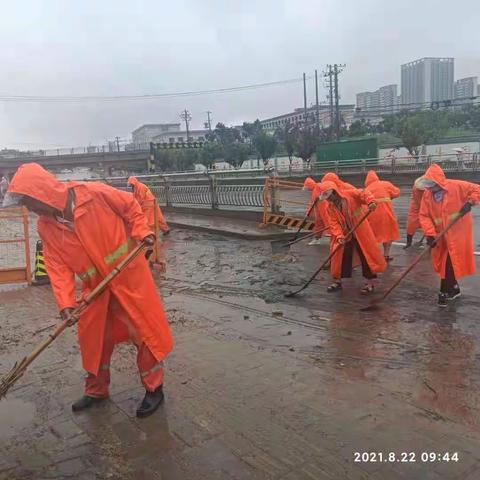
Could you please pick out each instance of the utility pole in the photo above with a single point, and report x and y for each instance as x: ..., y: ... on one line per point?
x: 329, y: 74
x: 305, y: 97
x: 335, y: 119
x: 186, y: 117
x: 209, y: 122
x: 118, y: 143
x: 337, y: 69
x: 317, y: 111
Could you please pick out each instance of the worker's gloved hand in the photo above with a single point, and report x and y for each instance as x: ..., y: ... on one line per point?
x: 466, y: 208
x: 431, y: 241
x: 341, y: 240
x: 67, y: 314
x: 149, y: 240
x: 372, y: 206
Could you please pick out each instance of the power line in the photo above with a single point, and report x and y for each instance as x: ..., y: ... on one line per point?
x: 156, y: 96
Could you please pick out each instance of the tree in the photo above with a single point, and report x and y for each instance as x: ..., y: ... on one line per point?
x: 265, y: 145
x: 224, y: 135
x: 285, y: 136
x: 417, y: 129
x: 305, y: 142
x: 250, y: 130
x: 235, y: 153
x: 360, y: 128
x: 209, y: 154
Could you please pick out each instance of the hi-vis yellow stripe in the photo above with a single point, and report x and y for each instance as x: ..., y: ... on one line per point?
x: 452, y: 216
x: 109, y: 259
x: 383, y: 199
x: 357, y: 212
x: 116, y: 254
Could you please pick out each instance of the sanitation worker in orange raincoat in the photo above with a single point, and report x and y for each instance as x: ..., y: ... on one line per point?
x: 318, y: 211
x: 383, y: 220
x: 413, y: 222
x: 443, y: 201
x: 87, y: 229
x: 344, y: 210
x: 146, y: 199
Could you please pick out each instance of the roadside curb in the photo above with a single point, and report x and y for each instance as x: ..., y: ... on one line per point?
x: 242, y: 234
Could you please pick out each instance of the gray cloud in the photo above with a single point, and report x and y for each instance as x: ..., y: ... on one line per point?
x: 122, y: 48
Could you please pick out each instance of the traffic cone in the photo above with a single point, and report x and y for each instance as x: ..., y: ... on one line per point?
x: 40, y: 275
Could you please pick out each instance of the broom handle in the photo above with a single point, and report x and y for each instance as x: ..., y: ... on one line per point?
x: 334, y: 251
x: 84, y: 304
x: 417, y: 260
x: 304, y: 221
x: 308, y: 235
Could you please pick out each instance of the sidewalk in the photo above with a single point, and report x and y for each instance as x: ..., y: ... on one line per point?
x: 244, y: 229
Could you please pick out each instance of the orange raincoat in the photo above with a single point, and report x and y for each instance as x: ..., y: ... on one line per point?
x: 383, y: 219
x: 333, y: 177
x: 413, y: 222
x: 107, y: 224
x: 318, y: 211
x: 435, y: 216
x: 146, y: 199
x: 339, y: 223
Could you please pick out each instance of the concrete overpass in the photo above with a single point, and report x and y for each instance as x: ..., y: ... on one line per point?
x: 107, y: 160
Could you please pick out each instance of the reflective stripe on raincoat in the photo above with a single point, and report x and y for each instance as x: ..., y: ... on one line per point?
x: 435, y: 216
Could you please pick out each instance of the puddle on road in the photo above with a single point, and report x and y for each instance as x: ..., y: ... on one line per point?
x: 14, y: 415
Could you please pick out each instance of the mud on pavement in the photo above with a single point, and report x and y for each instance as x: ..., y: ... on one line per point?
x: 258, y: 386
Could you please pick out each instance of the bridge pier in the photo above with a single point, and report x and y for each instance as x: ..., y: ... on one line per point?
x: 107, y: 170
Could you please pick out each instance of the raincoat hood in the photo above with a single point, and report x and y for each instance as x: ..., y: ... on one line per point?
x: 309, y: 183
x: 324, y: 186
x: 371, y: 177
x: 133, y: 181
x: 331, y: 177
x: 34, y: 181
x: 435, y: 174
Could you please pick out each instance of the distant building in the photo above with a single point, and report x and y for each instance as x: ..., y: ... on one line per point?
x: 142, y: 136
x: 466, y: 87
x: 180, y: 136
x: 7, y: 153
x: 298, y: 117
x: 380, y: 102
x: 427, y: 80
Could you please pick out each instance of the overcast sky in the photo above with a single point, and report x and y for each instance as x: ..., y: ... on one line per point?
x: 117, y: 47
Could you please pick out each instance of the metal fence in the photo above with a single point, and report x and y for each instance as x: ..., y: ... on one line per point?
x: 212, y: 194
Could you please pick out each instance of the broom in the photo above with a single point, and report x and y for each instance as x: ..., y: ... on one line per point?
x: 19, y: 368
x: 374, y: 303
x: 334, y: 251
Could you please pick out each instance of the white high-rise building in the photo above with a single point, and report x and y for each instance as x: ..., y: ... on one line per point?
x: 381, y: 101
x: 466, y: 87
x: 427, y: 80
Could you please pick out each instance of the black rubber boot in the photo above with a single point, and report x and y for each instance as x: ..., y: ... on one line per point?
x: 454, y: 293
x: 409, y: 242
x: 86, y: 402
x: 442, y: 300
x: 150, y: 402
